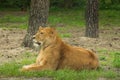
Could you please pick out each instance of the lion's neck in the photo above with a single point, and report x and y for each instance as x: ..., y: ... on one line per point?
x: 55, y: 43
x: 44, y: 46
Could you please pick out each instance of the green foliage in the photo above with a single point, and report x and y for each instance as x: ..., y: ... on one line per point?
x: 24, y: 4
x: 67, y: 3
x: 109, y: 4
x: 14, y: 3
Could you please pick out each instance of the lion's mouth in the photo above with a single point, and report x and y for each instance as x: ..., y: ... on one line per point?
x: 36, y: 43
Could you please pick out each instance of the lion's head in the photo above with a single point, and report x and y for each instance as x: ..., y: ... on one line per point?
x: 44, y: 36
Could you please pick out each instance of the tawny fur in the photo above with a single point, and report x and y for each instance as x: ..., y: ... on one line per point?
x: 56, y: 54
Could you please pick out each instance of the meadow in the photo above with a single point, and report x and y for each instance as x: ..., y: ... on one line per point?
x: 65, y: 21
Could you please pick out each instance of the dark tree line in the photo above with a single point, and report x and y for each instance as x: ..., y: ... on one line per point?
x: 25, y: 4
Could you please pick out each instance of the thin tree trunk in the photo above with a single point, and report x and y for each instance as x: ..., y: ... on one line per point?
x: 92, y: 19
x: 38, y: 17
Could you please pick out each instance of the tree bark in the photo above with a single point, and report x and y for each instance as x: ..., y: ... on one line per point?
x: 38, y: 17
x: 92, y: 29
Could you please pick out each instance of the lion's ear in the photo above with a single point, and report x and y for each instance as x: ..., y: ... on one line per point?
x: 40, y: 27
x: 52, y: 31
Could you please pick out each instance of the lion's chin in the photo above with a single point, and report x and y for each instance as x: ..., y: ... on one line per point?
x: 36, y: 43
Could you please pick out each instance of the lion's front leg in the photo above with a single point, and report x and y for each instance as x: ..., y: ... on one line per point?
x: 32, y: 67
x: 43, y: 65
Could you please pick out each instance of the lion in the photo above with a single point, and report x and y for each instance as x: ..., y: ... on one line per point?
x: 56, y: 54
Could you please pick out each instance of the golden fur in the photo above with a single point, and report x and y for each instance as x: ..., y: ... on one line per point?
x: 55, y: 54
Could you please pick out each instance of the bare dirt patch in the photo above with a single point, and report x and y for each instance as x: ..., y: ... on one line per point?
x: 10, y: 44
x: 109, y: 39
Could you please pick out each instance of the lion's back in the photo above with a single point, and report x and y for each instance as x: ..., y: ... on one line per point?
x: 77, y: 58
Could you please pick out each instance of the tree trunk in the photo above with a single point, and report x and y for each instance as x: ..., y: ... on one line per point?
x: 92, y: 29
x: 38, y: 17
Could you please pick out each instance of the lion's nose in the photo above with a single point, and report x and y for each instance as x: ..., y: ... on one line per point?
x: 33, y: 37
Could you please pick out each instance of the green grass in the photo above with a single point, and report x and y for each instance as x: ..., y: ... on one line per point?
x: 65, y: 35
x: 9, y: 18
x: 116, y: 61
x: 62, y: 18
x: 109, y: 18
x: 67, y: 18
x: 14, y: 25
x: 109, y: 58
x: 12, y: 69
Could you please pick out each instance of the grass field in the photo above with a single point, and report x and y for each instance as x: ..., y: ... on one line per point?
x: 62, y: 18
x: 12, y: 69
x: 109, y: 61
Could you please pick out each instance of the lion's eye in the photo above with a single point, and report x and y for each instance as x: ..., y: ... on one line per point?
x: 41, y: 32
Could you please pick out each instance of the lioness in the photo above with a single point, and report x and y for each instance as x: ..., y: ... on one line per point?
x: 56, y: 54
